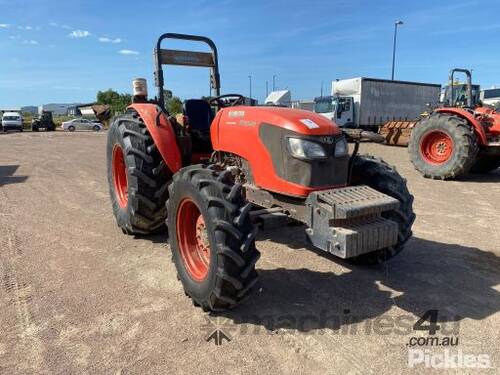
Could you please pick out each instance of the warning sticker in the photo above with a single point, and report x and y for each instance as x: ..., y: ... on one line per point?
x: 309, y: 123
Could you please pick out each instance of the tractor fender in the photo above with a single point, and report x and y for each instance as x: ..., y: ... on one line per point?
x: 162, y: 132
x: 478, y: 128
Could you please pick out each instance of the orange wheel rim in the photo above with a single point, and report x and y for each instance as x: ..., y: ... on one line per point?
x: 120, y: 176
x: 436, y: 147
x: 192, y: 237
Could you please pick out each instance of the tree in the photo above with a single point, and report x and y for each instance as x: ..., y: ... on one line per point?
x: 174, y: 105
x: 116, y: 101
x: 167, y: 95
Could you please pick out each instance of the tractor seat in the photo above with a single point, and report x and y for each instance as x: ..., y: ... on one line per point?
x: 200, y: 116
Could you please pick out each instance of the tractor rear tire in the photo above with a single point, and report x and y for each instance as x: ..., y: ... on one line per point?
x: 443, y: 146
x: 211, y: 237
x: 376, y: 173
x: 137, y: 176
x: 486, y: 164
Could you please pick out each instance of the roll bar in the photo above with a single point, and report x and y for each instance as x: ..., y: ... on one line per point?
x: 469, y: 85
x: 185, y: 58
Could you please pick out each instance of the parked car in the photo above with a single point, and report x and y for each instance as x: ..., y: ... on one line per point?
x: 12, y: 120
x: 81, y: 124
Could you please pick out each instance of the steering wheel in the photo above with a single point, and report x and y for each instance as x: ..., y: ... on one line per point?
x: 227, y: 100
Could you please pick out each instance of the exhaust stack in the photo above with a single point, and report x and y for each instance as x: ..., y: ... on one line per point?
x: 140, y: 90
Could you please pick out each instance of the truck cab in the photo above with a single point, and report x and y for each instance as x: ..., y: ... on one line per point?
x: 338, y: 109
x: 490, y: 97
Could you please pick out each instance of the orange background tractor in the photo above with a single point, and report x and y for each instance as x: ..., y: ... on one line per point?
x: 459, y: 137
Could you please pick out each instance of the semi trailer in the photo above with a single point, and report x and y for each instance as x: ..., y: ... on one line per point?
x: 373, y: 104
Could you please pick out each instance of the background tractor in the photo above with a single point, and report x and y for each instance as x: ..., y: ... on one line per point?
x: 227, y: 167
x: 44, y: 121
x: 458, y: 137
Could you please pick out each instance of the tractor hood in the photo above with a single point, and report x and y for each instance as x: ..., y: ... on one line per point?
x: 296, y: 120
x: 263, y: 136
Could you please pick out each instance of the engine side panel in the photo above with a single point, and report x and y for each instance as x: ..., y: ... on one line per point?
x: 162, y: 133
x: 237, y: 130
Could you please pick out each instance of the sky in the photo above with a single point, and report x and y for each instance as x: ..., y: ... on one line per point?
x: 65, y: 51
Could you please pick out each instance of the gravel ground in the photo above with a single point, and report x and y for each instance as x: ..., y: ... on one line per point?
x: 78, y: 296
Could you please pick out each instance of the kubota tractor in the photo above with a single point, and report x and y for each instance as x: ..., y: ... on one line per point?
x: 218, y: 174
x: 459, y: 137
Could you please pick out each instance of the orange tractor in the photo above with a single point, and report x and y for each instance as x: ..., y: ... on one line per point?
x: 226, y: 168
x: 459, y: 137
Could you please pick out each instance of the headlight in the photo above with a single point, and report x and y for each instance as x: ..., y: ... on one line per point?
x: 341, y: 147
x: 300, y: 148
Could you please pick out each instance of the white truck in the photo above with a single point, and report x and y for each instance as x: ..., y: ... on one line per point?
x: 491, y: 97
x: 371, y: 103
x: 12, y: 121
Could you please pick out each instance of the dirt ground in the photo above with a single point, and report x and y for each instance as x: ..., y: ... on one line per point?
x: 78, y: 296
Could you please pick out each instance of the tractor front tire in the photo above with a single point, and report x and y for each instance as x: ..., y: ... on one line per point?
x: 211, y: 237
x: 376, y: 173
x: 443, y: 146
x: 486, y: 164
x: 137, y: 176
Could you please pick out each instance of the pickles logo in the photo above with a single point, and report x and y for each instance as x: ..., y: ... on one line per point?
x: 447, y: 359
